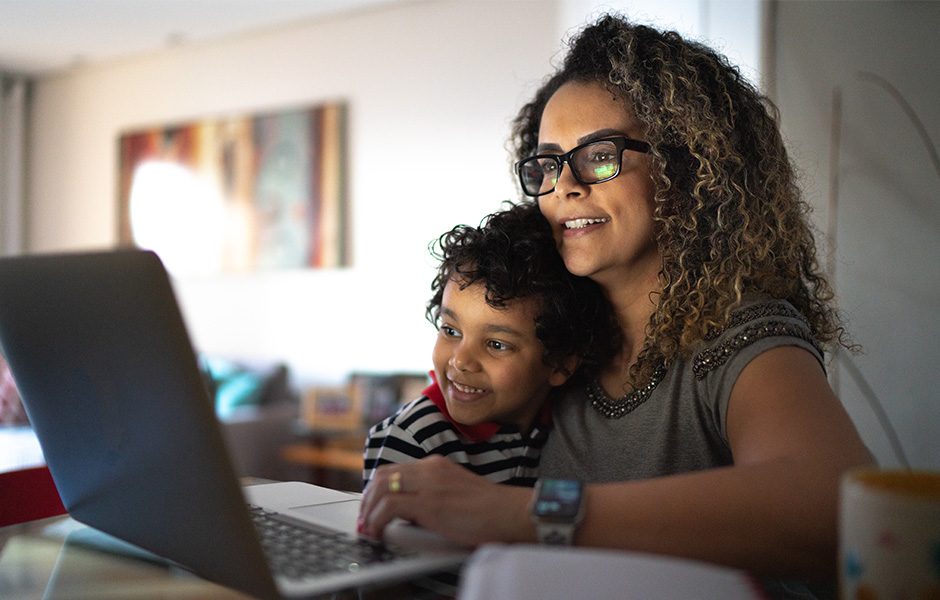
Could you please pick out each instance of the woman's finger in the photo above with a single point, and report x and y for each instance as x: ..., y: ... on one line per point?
x: 388, y: 480
x: 446, y: 498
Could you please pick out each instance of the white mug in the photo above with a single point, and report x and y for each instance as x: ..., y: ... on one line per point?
x: 890, y: 535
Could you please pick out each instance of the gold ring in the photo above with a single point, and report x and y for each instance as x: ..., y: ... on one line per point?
x: 394, y: 482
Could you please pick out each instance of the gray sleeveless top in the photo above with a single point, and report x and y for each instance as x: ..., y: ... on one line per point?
x: 680, y: 427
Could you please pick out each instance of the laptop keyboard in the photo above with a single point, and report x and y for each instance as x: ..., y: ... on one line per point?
x: 299, y: 552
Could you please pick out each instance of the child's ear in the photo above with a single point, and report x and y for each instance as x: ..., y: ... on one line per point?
x: 561, y: 374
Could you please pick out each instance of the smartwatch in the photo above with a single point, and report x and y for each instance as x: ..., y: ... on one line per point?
x: 557, y: 508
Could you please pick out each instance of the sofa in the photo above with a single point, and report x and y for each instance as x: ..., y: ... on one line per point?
x: 258, y: 408
x: 256, y: 403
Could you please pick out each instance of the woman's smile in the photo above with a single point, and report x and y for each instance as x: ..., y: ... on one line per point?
x: 582, y: 226
x: 582, y: 222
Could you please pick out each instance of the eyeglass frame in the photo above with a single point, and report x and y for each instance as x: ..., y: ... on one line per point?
x: 621, y: 142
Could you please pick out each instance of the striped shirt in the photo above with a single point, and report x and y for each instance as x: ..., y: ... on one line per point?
x: 501, y: 453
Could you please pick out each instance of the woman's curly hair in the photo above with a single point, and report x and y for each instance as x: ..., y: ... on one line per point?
x: 512, y: 253
x: 730, y: 219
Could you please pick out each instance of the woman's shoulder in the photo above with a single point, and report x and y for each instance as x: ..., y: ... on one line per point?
x: 754, y: 308
x: 758, y: 321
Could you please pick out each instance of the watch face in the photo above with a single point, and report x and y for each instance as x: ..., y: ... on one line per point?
x: 558, y: 499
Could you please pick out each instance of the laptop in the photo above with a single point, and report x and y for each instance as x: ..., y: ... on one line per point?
x: 109, y: 379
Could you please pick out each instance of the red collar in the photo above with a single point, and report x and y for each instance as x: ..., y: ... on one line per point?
x: 482, y: 431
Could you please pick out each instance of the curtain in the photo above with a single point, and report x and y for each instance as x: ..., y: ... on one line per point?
x: 13, y: 113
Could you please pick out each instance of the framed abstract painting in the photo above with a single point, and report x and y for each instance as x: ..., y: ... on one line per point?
x: 248, y: 193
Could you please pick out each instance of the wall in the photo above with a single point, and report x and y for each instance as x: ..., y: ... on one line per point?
x: 858, y: 89
x: 428, y: 119
x: 431, y: 88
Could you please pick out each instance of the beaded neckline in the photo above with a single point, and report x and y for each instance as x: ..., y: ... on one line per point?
x: 612, y: 408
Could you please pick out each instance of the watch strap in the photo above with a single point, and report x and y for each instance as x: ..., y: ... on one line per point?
x: 557, y: 508
x: 556, y: 534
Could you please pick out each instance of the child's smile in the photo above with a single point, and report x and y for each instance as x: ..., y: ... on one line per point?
x: 465, y: 389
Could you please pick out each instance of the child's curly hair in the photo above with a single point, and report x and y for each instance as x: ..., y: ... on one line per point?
x: 729, y: 215
x: 513, y: 254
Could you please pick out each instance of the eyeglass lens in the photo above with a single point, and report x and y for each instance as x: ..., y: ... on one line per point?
x: 590, y: 163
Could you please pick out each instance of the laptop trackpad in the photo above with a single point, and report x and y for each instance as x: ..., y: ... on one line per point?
x: 333, y: 515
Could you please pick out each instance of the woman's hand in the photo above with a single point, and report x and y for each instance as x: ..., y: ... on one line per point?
x: 447, y: 499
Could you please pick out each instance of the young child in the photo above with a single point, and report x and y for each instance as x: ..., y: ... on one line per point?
x: 513, y: 323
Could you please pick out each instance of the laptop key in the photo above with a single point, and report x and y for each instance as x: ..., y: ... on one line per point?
x: 303, y: 552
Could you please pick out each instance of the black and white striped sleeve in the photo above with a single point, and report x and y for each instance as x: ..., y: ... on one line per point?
x: 398, y: 438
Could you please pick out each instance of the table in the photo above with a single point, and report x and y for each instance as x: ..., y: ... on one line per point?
x: 37, y: 562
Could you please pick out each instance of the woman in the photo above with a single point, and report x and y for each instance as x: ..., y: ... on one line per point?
x: 713, y: 433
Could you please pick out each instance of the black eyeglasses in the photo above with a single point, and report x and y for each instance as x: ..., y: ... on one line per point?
x: 593, y: 162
